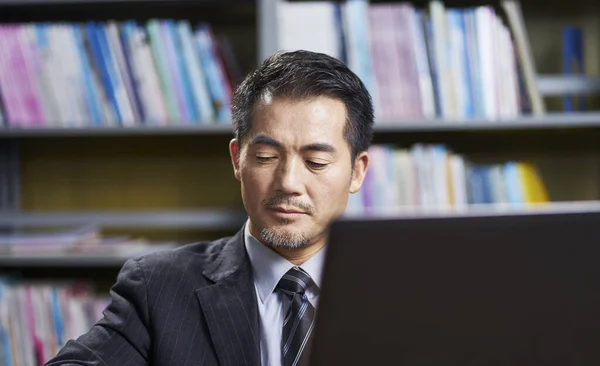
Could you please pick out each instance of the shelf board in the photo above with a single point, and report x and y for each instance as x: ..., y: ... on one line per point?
x: 589, y: 120
x: 480, y: 210
x: 205, y: 129
x: 57, y: 259
x: 549, y: 121
x: 197, y: 219
x: 83, y: 2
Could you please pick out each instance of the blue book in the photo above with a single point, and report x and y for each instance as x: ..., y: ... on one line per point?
x: 100, y: 61
x: 466, y: 66
x: 111, y: 68
x: 513, y: 183
x: 214, y: 73
x: 91, y: 92
x: 573, y: 63
x: 486, y: 177
x: 57, y: 316
x: 5, y: 345
x: 181, y: 73
x: 476, y: 185
x: 474, y: 71
x: 126, y: 30
x: 435, y: 79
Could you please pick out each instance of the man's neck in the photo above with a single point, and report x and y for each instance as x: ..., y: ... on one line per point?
x: 296, y: 256
x: 299, y: 256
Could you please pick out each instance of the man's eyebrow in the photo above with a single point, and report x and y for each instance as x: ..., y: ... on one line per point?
x: 265, y: 140
x: 319, y: 146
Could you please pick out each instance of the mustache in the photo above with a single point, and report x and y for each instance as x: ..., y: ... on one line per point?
x: 288, y: 201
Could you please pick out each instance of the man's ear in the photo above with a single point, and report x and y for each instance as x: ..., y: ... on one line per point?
x: 234, y: 152
x: 361, y: 164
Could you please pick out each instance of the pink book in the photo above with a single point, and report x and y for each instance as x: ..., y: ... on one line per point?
x: 9, y: 99
x: 31, y: 102
x: 33, y: 61
x: 378, y: 50
x: 409, y: 76
x: 15, y: 76
x: 30, y: 318
x: 172, y: 66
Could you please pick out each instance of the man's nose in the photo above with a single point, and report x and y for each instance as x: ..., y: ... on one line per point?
x: 290, y: 177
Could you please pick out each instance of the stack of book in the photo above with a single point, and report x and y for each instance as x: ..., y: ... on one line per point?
x: 36, y: 320
x: 433, y: 177
x: 79, y: 242
x: 163, y: 72
x: 420, y: 64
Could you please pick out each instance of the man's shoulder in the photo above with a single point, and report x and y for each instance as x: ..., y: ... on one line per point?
x: 200, y: 253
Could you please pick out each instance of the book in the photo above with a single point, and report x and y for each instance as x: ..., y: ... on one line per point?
x: 426, y: 176
x: 114, y: 73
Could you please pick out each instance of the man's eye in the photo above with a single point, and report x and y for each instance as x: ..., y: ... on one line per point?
x: 264, y: 159
x: 315, y: 165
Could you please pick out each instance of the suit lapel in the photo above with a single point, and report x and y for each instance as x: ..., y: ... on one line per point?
x: 230, y: 306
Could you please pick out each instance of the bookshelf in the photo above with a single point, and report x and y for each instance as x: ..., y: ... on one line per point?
x: 174, y: 182
x: 252, y: 26
x: 585, y: 120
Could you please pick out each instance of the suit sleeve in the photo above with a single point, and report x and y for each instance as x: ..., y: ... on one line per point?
x: 122, y: 336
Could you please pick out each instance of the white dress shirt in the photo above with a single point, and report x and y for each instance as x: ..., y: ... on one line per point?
x: 268, y: 268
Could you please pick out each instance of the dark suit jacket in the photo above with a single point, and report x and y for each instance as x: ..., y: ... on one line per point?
x: 194, y: 305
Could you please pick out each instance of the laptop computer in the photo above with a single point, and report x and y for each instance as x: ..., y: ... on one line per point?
x: 462, y: 289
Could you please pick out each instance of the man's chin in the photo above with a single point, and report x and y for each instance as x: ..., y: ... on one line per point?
x: 285, y: 236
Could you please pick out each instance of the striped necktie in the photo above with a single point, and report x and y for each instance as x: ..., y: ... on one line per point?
x: 299, y: 319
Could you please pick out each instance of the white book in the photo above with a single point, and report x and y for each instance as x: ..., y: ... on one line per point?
x: 146, y: 77
x: 74, y: 73
x: 403, y: 165
x: 57, y: 64
x: 440, y: 175
x: 512, y: 81
x: 116, y: 45
x: 308, y: 26
x: 196, y: 72
x: 440, y: 40
x: 424, y: 182
x: 422, y: 62
x: 457, y: 59
x: 41, y: 81
x: 517, y: 24
x: 459, y: 181
x: 119, y: 77
x: 485, y: 46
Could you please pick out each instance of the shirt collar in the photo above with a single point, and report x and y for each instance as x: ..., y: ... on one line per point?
x: 268, y: 266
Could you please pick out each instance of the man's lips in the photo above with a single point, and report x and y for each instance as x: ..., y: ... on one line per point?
x: 287, y: 210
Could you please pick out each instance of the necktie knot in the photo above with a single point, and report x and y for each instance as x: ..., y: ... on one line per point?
x: 295, y: 281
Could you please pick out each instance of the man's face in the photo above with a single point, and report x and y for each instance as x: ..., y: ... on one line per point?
x: 295, y: 170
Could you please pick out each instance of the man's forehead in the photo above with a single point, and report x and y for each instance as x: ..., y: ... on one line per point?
x: 307, y: 118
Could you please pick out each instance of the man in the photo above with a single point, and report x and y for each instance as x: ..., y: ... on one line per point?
x: 303, y: 124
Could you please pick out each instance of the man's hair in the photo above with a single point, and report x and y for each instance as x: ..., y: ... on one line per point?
x: 303, y: 75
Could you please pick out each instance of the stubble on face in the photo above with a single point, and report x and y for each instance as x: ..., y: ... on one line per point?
x: 280, y: 236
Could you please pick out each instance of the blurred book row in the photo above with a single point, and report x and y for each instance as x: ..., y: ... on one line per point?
x: 36, y: 320
x: 432, y: 176
x: 114, y: 73
x: 423, y: 63
x: 80, y: 242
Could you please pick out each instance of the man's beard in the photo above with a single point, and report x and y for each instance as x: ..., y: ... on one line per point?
x: 279, y: 237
